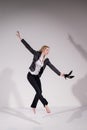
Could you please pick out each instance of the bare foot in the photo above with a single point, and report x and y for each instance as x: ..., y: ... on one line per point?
x: 47, y: 109
x: 34, y: 110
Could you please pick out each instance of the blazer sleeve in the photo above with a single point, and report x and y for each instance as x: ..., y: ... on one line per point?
x: 53, y: 67
x: 28, y: 47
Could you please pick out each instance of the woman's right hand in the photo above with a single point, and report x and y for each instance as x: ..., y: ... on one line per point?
x: 18, y: 35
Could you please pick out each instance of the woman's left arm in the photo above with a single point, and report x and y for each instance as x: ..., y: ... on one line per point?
x: 54, y: 68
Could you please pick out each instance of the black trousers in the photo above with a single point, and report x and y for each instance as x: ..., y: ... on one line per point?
x: 36, y: 83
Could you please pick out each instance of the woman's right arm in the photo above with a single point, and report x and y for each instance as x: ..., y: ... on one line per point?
x: 26, y: 44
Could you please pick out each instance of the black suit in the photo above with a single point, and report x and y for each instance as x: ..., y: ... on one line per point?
x: 36, y: 57
x: 35, y: 79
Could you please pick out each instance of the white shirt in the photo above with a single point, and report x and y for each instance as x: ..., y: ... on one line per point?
x: 39, y: 63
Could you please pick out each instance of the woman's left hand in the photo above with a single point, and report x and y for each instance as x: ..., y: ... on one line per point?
x: 62, y: 74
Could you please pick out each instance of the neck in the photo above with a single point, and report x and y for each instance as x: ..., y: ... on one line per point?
x: 43, y: 54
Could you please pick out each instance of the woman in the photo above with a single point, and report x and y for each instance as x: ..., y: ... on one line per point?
x: 35, y: 71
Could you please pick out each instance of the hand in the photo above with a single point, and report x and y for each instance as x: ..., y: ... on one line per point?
x: 18, y: 35
x: 61, y: 74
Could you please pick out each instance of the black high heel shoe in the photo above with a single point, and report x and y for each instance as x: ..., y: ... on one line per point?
x: 69, y: 76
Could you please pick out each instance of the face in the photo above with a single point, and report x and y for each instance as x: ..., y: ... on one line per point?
x: 46, y: 51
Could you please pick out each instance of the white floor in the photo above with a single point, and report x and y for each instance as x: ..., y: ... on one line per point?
x: 58, y: 119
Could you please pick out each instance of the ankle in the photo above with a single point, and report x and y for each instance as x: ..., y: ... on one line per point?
x: 34, y: 110
x: 47, y: 109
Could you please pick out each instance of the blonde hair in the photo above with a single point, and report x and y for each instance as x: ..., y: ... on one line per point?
x: 43, y: 48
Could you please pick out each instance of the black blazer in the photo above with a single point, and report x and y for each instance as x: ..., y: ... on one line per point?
x: 36, y: 55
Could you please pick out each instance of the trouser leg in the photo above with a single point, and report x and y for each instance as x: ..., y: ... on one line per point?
x: 36, y: 98
x: 35, y: 82
x: 35, y: 101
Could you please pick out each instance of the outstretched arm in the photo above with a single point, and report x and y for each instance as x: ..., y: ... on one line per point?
x: 26, y: 44
x: 54, y: 68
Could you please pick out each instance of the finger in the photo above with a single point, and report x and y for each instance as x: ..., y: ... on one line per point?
x: 18, y: 32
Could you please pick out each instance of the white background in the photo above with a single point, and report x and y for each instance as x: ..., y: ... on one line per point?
x: 62, y: 26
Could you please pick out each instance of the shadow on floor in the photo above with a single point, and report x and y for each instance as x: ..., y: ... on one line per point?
x: 18, y: 114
